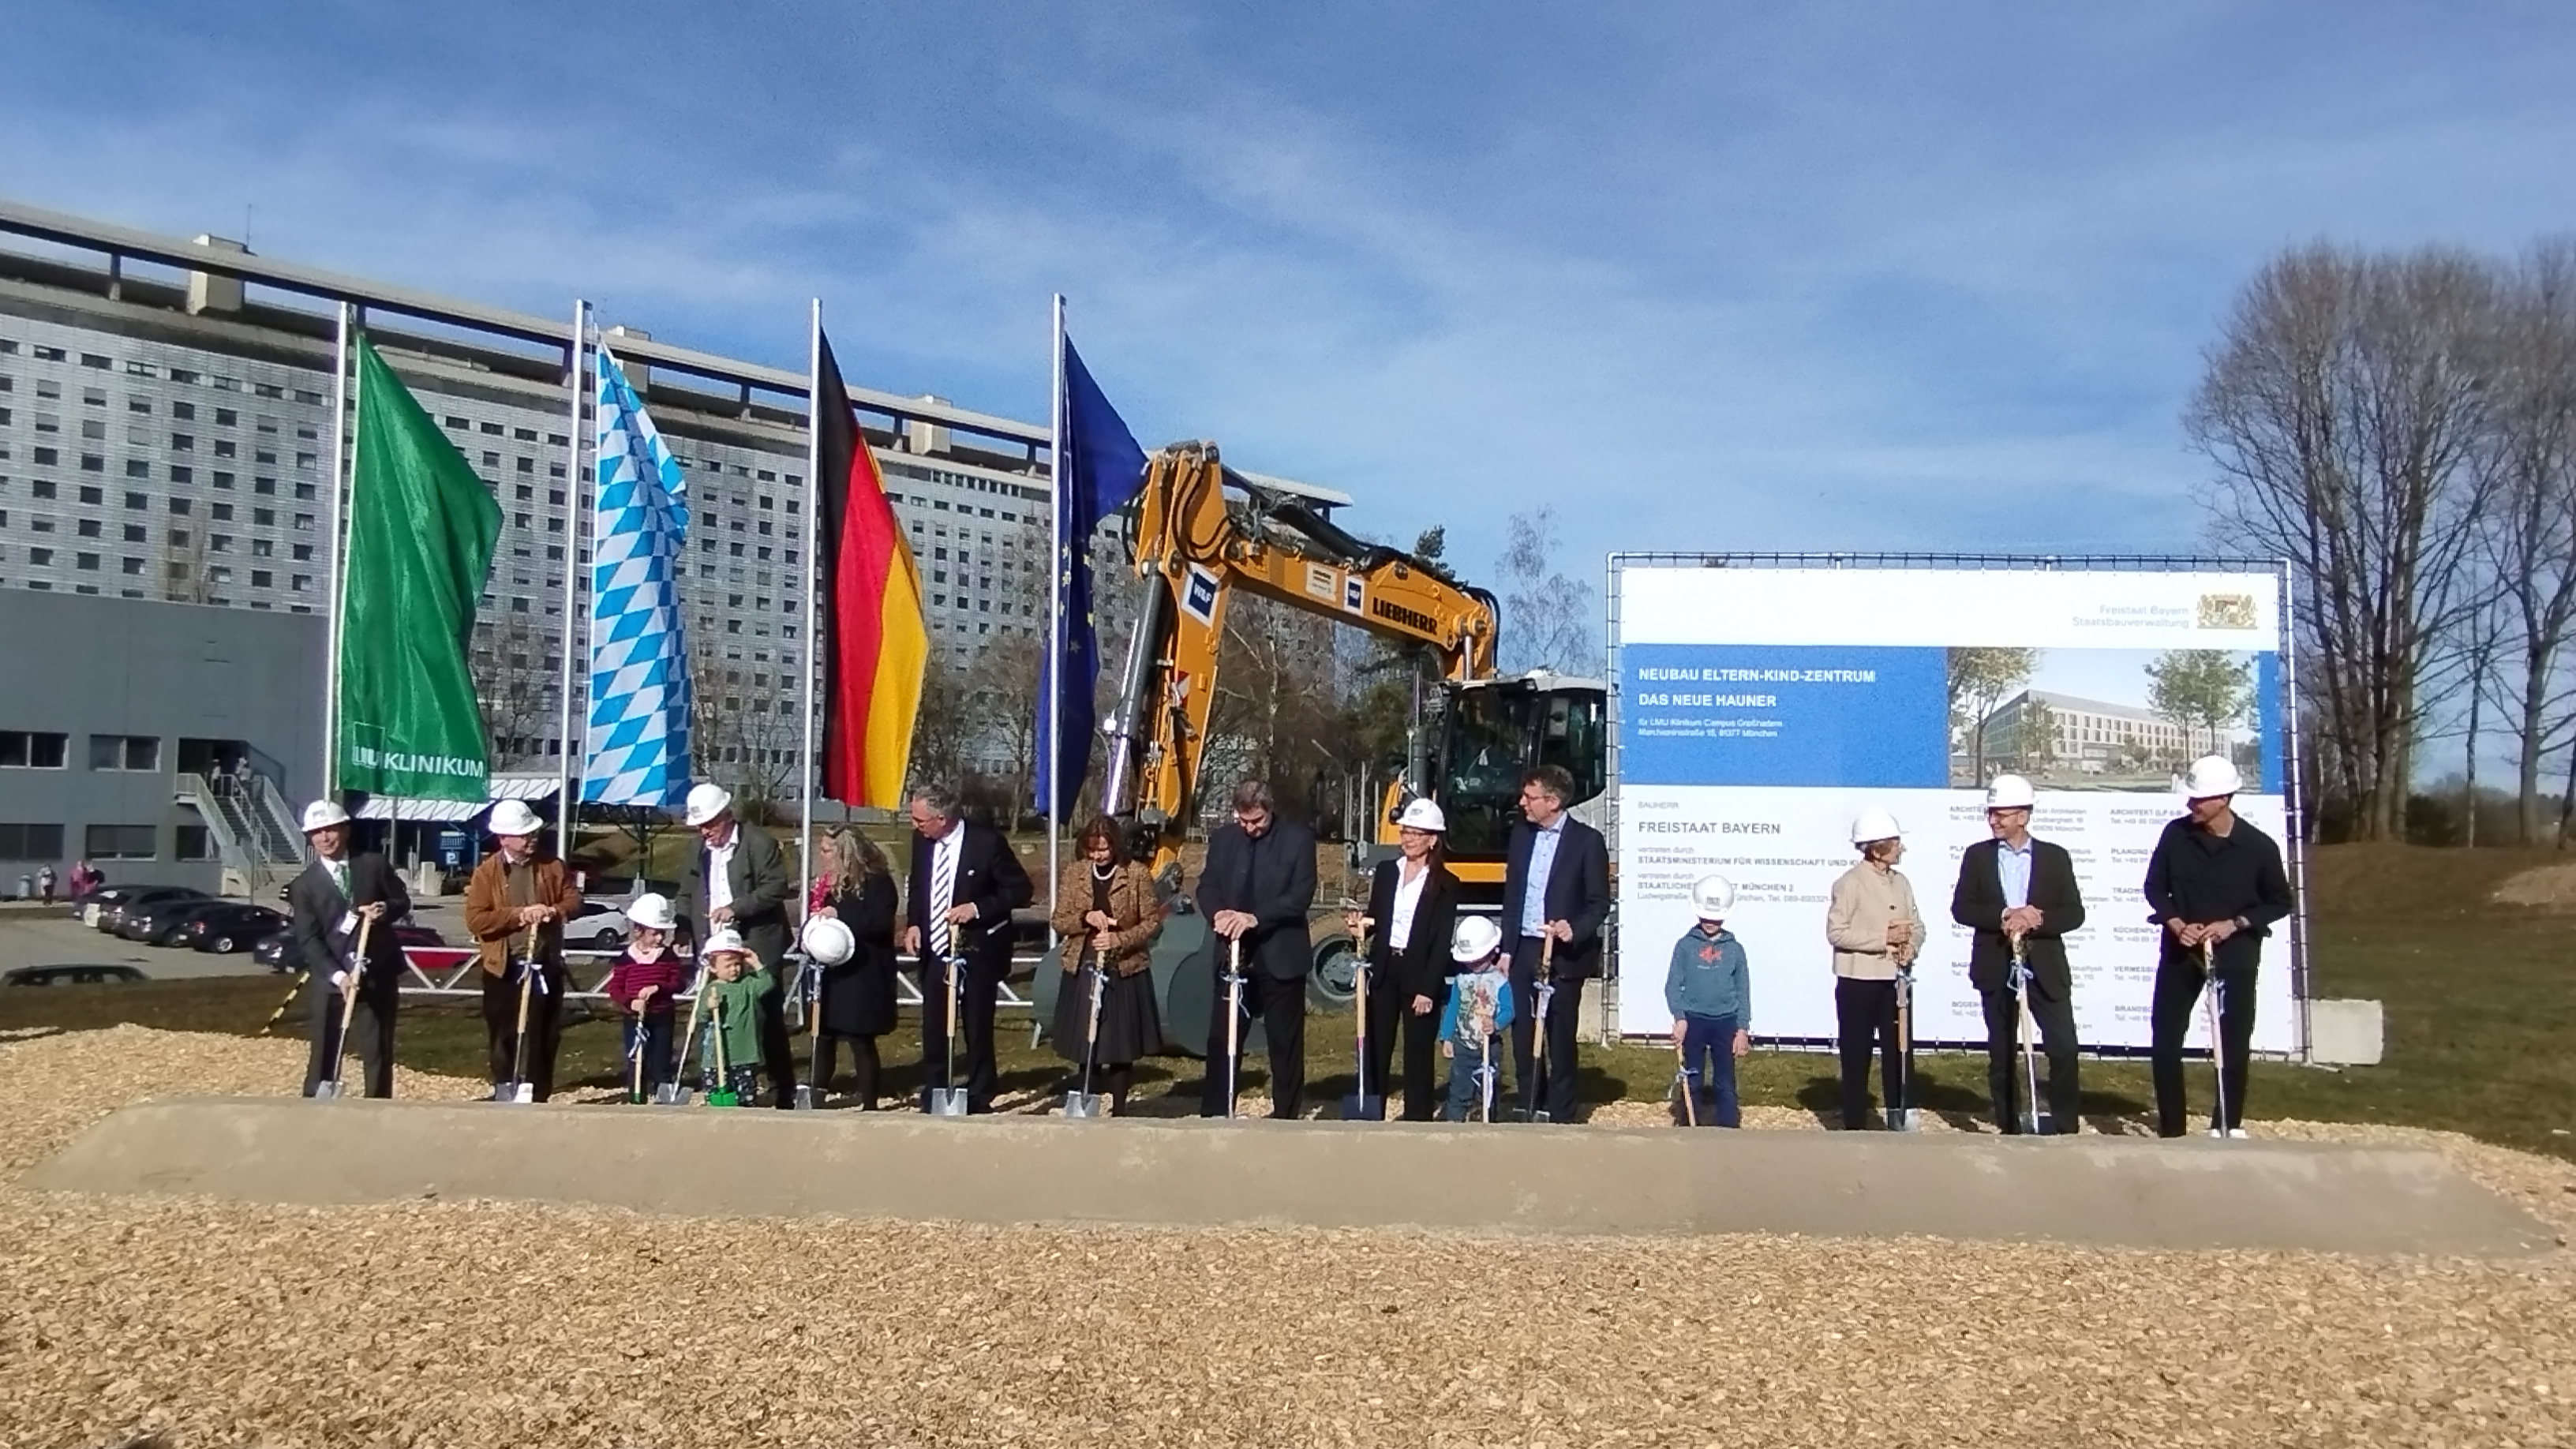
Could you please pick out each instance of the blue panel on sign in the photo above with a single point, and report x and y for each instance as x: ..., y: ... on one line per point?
x: 1741, y: 714
x: 2267, y: 722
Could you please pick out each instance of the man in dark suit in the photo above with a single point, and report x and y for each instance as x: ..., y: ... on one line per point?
x: 328, y: 901
x: 965, y: 883
x: 1256, y: 887
x: 1556, y: 882
x: 738, y: 878
x: 2015, y: 888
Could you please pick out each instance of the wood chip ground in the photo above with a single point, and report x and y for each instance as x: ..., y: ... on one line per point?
x: 184, y: 1323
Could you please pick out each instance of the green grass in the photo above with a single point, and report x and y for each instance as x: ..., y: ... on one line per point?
x: 2480, y: 1002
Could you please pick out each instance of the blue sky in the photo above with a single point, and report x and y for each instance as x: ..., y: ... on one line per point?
x: 1751, y: 276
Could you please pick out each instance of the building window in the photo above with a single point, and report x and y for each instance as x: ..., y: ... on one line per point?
x: 132, y: 565
x: 125, y: 752
x: 33, y: 750
x: 87, y: 561
x: 122, y: 842
x: 192, y: 842
x: 31, y: 842
x: 40, y: 557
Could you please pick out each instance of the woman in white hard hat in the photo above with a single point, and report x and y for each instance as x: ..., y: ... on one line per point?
x: 2217, y: 885
x: 1876, y: 932
x: 854, y: 885
x: 515, y: 891
x: 1107, y: 911
x: 1412, y: 908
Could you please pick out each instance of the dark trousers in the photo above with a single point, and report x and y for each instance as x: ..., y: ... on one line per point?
x: 777, y: 1043
x: 1391, y: 1020
x: 2056, y: 1023
x: 1280, y: 1003
x: 1708, y: 1056
x: 979, y: 1076
x: 545, y: 1028
x: 863, y: 1064
x: 1866, y: 1014
x: 372, y: 1028
x: 655, y: 1029
x: 2178, y: 984
x: 1555, y: 1096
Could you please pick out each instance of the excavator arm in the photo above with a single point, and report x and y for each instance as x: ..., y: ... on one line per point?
x: 1204, y: 531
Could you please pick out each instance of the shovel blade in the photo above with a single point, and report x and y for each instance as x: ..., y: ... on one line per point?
x: 517, y: 1094
x: 326, y: 1091
x: 948, y: 1101
x: 1084, y: 1105
x: 1901, y: 1119
x: 807, y: 1099
x: 1356, y: 1108
x: 670, y: 1094
x: 1538, y: 1115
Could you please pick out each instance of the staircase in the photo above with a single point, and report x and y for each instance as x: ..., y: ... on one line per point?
x: 251, y: 832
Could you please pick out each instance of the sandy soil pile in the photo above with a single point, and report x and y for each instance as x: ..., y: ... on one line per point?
x: 483, y: 1324
x: 2552, y: 887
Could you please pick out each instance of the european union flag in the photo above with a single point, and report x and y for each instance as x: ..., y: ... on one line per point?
x: 1098, y: 468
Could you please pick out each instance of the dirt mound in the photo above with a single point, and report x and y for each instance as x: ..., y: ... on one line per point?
x: 2550, y: 887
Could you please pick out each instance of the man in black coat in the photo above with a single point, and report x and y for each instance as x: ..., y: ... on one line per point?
x: 2016, y: 888
x: 1556, y: 883
x: 1256, y: 887
x: 2217, y: 884
x: 965, y: 883
x: 327, y: 902
x: 737, y: 877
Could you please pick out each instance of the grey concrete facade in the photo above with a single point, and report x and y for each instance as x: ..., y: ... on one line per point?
x: 115, y: 698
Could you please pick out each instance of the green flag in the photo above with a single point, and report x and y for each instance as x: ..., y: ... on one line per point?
x: 421, y: 530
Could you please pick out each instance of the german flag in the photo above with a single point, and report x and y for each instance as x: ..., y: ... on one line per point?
x: 874, y: 641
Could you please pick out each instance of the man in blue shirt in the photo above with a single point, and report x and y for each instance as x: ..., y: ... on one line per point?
x: 1556, y: 884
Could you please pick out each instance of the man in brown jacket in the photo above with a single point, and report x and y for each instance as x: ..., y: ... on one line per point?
x: 512, y: 894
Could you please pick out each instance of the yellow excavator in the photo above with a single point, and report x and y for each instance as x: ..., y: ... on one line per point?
x: 1204, y: 531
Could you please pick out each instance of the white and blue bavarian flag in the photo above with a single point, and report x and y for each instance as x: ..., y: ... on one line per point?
x: 638, y: 743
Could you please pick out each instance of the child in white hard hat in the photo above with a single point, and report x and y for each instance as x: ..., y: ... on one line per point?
x: 643, y: 986
x: 736, y: 981
x: 1480, y: 1006
x: 1710, y: 994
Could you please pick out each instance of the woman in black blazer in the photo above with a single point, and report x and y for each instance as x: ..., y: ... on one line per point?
x: 1413, y: 906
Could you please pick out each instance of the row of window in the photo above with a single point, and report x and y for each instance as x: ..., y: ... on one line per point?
x: 101, y: 362
x: 20, y: 841
x: 46, y: 750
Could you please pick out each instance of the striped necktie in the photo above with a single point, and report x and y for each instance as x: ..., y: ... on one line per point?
x: 943, y: 886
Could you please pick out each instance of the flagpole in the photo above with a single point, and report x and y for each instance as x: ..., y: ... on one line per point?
x: 813, y: 575
x: 1056, y: 479
x: 568, y: 777
x: 341, y: 400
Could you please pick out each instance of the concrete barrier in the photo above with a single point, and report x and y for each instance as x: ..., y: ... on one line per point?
x: 2138, y: 1193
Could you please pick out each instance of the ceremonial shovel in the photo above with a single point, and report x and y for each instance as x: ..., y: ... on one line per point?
x: 2029, y: 1061
x: 1536, y: 1091
x: 2215, y: 1014
x: 949, y: 1099
x: 1361, y: 1105
x: 519, y: 1090
x: 329, y: 1089
x: 671, y: 1093
x: 1682, y: 1083
x: 1233, y: 1021
x: 1085, y: 1103
x: 809, y: 1094
x: 1901, y: 1119
x: 720, y: 1092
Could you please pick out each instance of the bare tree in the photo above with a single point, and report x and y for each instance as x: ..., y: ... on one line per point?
x: 1274, y: 695
x: 2343, y: 410
x: 514, y: 686
x: 1547, y: 616
x: 2530, y: 533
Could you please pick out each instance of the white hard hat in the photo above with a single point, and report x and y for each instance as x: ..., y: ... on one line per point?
x: 323, y: 814
x: 1476, y: 938
x: 1713, y: 897
x: 652, y: 911
x: 1423, y: 814
x: 724, y: 938
x: 1874, y: 824
x: 2010, y: 792
x: 2211, y: 776
x: 513, y: 817
x: 828, y: 942
x: 706, y: 802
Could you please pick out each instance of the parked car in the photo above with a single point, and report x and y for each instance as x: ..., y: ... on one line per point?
x: 425, y: 945
x: 276, y: 952
x: 98, y: 975
x: 149, y: 921
x: 116, y: 917
x: 598, y: 925
x: 115, y: 898
x: 229, y: 927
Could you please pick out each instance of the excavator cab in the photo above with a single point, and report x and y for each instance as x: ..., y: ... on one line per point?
x: 1489, y: 733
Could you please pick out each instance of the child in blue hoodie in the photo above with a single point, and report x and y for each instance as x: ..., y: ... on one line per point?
x: 1710, y: 994
x: 1480, y: 1006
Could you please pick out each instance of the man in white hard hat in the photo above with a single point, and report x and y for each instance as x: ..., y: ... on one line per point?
x: 2216, y: 884
x: 737, y: 879
x: 1876, y: 931
x: 2016, y: 889
x: 327, y: 901
x: 514, y: 892
x: 1412, y: 911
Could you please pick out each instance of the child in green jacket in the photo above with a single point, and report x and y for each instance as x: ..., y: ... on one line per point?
x: 735, y: 983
